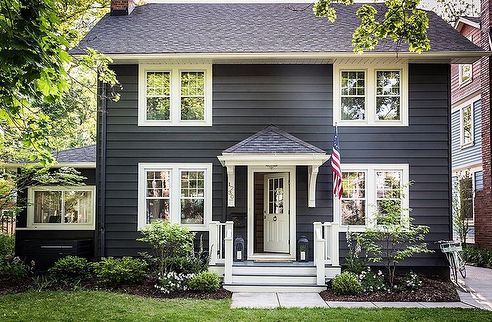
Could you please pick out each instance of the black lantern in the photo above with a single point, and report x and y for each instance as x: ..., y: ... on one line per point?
x: 302, y: 249
x: 239, y: 249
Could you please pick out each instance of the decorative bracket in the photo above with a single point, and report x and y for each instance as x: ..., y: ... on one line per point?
x: 312, y: 176
x: 231, y: 186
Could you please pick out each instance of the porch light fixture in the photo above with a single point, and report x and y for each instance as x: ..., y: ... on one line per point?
x: 239, y: 249
x: 302, y: 249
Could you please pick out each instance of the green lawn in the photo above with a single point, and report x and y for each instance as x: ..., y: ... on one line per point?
x: 100, y: 306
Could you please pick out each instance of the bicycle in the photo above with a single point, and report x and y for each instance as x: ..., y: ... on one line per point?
x: 452, y: 250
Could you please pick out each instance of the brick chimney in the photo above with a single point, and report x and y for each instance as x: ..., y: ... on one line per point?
x: 483, y: 199
x: 122, y: 7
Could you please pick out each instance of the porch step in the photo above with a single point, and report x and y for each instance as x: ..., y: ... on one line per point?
x: 277, y: 280
x: 251, y: 288
x: 274, y: 270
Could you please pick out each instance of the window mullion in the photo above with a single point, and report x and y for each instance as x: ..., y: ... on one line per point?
x: 371, y: 95
x: 371, y: 196
x: 175, y: 96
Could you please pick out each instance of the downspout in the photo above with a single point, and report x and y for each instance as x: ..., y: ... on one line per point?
x: 101, y: 169
x: 450, y: 167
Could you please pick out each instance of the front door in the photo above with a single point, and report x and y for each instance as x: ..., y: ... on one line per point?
x: 276, y: 213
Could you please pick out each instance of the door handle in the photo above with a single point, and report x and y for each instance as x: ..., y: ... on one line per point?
x: 274, y: 218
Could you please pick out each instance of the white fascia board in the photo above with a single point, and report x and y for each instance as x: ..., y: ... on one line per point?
x: 316, y: 159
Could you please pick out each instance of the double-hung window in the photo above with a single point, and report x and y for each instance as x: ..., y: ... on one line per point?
x: 369, y: 189
x: 175, y: 95
x: 370, y: 96
x: 57, y: 207
x: 179, y: 193
x: 466, y: 120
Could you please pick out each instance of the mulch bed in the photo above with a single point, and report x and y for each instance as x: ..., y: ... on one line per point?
x: 11, y: 286
x: 432, y: 290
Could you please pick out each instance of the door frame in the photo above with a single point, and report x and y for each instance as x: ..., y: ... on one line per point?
x: 291, y: 170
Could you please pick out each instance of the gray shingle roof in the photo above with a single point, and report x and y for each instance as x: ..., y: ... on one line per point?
x: 472, y: 19
x: 76, y: 155
x: 273, y: 140
x: 242, y: 28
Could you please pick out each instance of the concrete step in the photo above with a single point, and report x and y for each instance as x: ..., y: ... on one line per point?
x: 274, y: 270
x: 251, y: 288
x: 274, y: 280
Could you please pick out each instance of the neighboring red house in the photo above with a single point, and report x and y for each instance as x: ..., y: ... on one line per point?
x: 483, y: 206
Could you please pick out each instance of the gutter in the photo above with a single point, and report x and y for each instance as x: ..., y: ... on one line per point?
x: 101, y: 171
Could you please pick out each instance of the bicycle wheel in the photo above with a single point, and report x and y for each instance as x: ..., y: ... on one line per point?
x: 452, y: 269
x: 462, y: 267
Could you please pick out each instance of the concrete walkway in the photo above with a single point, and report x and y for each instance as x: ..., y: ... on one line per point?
x: 306, y: 300
x: 478, y: 283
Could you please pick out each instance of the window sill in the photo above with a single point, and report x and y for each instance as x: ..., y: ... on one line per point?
x: 377, y: 123
x: 468, y: 145
x: 464, y: 84
x: 182, y: 124
x: 58, y: 227
x: 202, y: 227
x: 353, y: 228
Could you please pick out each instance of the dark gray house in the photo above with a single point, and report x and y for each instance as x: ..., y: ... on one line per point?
x: 226, y: 123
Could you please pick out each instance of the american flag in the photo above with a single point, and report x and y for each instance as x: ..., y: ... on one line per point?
x: 336, y: 167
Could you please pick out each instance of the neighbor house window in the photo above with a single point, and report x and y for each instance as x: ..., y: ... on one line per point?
x: 368, y: 189
x: 54, y: 207
x: 466, y: 197
x: 467, y: 125
x: 373, y: 96
x: 175, y: 95
x: 353, y: 95
x: 465, y: 73
x: 179, y: 193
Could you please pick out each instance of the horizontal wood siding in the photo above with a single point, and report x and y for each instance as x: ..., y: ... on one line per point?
x: 298, y: 99
x: 462, y: 156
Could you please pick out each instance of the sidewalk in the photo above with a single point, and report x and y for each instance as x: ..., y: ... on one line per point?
x: 478, y: 282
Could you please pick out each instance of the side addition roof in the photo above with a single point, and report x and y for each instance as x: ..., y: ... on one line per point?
x: 273, y: 140
x: 77, y: 155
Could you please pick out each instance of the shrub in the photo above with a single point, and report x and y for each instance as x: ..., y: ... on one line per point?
x: 117, y: 271
x: 167, y: 240
x: 173, y: 282
x: 353, y: 261
x: 70, y: 268
x: 14, y: 268
x: 205, y: 282
x: 372, y: 282
x: 186, y: 265
x: 346, y: 283
x: 412, y: 281
x: 477, y: 256
x: 7, y: 245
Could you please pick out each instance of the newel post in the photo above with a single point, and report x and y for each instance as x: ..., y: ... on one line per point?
x: 229, y: 233
x: 335, y: 247
x: 319, y: 254
x: 212, y: 242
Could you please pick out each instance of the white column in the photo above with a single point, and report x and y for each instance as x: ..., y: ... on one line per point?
x: 213, y: 245
x: 231, y: 186
x: 335, y: 247
x: 229, y: 233
x: 319, y: 254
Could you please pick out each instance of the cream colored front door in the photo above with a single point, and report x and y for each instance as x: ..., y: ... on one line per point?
x: 276, y: 213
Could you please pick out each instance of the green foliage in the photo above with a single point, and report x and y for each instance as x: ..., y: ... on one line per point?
x: 167, y: 241
x: 477, y: 256
x: 71, y: 268
x: 401, y: 21
x: 412, y: 281
x: 14, y: 268
x: 372, y: 282
x: 394, y: 237
x: 185, y: 264
x: 205, y: 282
x: 346, y: 283
x: 353, y: 261
x: 118, y: 271
x: 7, y: 245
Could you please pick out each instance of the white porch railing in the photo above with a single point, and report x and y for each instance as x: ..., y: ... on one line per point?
x: 221, y: 246
x: 326, y: 248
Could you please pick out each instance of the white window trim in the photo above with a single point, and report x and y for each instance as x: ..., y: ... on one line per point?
x: 470, y: 104
x: 371, y: 190
x: 460, y: 76
x: 60, y: 226
x: 175, y: 94
x: 370, y: 113
x: 472, y: 171
x: 175, y: 192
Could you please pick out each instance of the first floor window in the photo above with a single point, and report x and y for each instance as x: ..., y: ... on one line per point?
x: 60, y: 207
x: 179, y: 193
x: 371, y: 190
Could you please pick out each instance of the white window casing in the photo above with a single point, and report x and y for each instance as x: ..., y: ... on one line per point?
x: 175, y: 198
x: 175, y: 94
x: 465, y: 74
x: 371, y: 193
x: 467, y: 111
x: 370, y: 70
x: 32, y: 225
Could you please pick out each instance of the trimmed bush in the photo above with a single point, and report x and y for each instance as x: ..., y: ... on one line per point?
x: 70, y: 268
x: 14, y: 268
x: 119, y: 271
x: 205, y: 282
x: 346, y: 283
x: 477, y: 256
x: 185, y: 265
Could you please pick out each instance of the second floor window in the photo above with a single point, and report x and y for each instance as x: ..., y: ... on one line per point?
x: 465, y: 73
x: 175, y: 95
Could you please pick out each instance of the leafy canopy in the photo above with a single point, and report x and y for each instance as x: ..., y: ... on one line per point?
x: 400, y: 21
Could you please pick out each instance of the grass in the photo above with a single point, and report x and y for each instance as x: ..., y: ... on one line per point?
x: 105, y: 306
